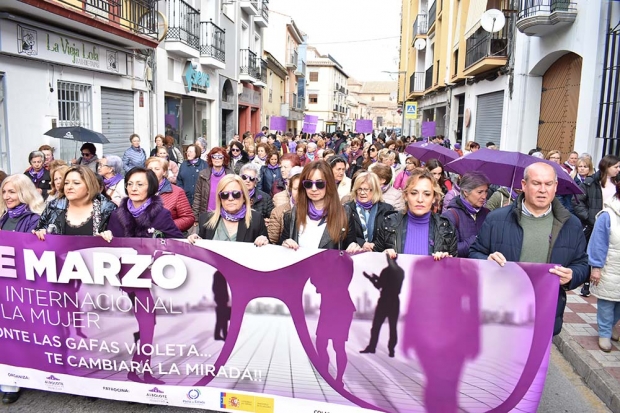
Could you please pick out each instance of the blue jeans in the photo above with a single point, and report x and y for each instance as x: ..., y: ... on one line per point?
x: 607, y: 315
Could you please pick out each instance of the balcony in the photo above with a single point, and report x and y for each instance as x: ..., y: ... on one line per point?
x: 432, y: 15
x: 261, y: 80
x: 248, y: 67
x: 183, y: 37
x: 428, y: 78
x: 212, y: 45
x: 420, y: 28
x: 291, y: 62
x: 249, y: 6
x: 541, y: 17
x: 129, y: 23
x: 486, y: 51
x: 262, y: 18
x: 417, y: 83
x: 300, y: 71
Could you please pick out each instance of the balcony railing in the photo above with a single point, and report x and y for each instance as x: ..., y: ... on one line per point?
x: 301, y: 102
x: 295, y: 102
x: 432, y: 14
x: 248, y: 64
x: 428, y: 78
x: 183, y: 23
x: 531, y: 8
x: 419, y: 26
x: 137, y: 16
x: 264, y: 10
x: 482, y: 44
x: 416, y: 82
x: 254, y: 3
x: 301, y: 68
x: 263, y: 71
x: 212, y: 41
x: 292, y: 58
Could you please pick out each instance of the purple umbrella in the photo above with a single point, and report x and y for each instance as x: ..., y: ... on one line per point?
x: 426, y: 150
x: 506, y: 169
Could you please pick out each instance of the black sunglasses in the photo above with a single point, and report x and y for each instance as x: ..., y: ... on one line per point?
x: 248, y: 178
x: 308, y: 184
x: 86, y: 154
x: 235, y: 150
x: 373, y: 149
x: 226, y: 194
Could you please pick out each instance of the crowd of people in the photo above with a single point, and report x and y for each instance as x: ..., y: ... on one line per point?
x: 340, y: 190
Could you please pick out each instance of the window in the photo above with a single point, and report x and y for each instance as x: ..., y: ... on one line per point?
x: 314, y: 76
x: 372, y: 98
x: 313, y: 98
x: 270, y: 95
x: 170, y: 68
x: 74, y: 109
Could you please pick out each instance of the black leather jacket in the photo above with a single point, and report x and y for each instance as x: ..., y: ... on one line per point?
x: 391, y: 233
x: 55, y: 214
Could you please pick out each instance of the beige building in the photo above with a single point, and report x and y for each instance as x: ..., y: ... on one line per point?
x: 274, y: 95
x: 377, y: 100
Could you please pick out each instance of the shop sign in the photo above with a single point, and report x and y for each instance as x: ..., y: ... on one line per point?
x: 194, y: 80
x: 35, y: 43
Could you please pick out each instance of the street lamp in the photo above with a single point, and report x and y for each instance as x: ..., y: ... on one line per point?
x: 401, y: 72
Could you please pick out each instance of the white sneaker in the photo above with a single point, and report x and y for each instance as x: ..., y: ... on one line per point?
x: 604, y: 344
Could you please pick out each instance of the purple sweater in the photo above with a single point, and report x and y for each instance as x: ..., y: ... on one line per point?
x: 416, y: 242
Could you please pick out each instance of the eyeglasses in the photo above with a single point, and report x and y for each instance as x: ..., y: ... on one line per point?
x: 248, y: 178
x: 308, y: 184
x: 235, y: 150
x: 86, y: 154
x: 138, y: 185
x: 217, y: 156
x: 373, y: 149
x: 363, y: 190
x: 224, y: 195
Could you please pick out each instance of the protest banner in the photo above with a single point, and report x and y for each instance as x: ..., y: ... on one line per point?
x: 310, y: 122
x: 428, y: 129
x: 277, y: 123
x: 229, y: 326
x: 363, y: 125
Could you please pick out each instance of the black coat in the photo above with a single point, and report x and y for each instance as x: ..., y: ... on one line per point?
x: 44, y: 184
x: 382, y: 208
x: 289, y: 230
x: 262, y: 203
x: 54, y: 216
x: 244, y: 234
x: 587, y: 205
x: 392, y: 234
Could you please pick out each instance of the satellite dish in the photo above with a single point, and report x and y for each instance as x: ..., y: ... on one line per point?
x: 493, y: 20
x: 419, y: 44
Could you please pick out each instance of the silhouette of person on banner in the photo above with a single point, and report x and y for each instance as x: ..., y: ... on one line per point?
x: 448, y: 314
x: 334, y: 321
x: 389, y: 282
x: 222, y: 310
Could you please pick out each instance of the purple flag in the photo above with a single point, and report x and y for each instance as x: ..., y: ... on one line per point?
x: 428, y: 129
x: 363, y: 125
x: 310, y: 122
x: 162, y: 329
x: 277, y: 123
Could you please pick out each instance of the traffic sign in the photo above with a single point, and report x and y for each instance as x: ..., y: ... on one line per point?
x: 411, y: 110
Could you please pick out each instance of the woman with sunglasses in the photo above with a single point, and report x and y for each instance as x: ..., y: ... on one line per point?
x: 318, y: 220
x: 372, y: 155
x: 238, y: 157
x: 206, y: 184
x: 111, y: 170
x: 270, y: 173
x: 417, y: 231
x: 89, y: 157
x: 259, y: 200
x: 189, y: 170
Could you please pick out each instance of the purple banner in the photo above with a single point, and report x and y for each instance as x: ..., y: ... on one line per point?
x: 428, y: 129
x: 277, y: 123
x: 363, y: 125
x: 310, y: 122
x: 223, y: 326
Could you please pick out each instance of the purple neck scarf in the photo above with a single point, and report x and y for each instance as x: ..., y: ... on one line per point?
x: 469, y: 207
x: 109, y: 182
x: 161, y: 185
x: 273, y: 167
x: 313, y: 213
x: 236, y: 158
x: 193, y: 161
x: 263, y: 159
x: 365, y: 205
x: 251, y: 157
x: 36, y: 176
x: 234, y: 217
x: 384, y: 188
x: 252, y: 192
x: 216, y: 173
x: 408, y: 173
x: 136, y: 212
x: 18, y: 211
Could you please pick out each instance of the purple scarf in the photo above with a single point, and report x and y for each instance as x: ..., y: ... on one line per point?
x: 263, y: 159
x: 469, y: 207
x: 236, y: 158
x: 109, y: 182
x: 408, y: 173
x: 234, y: 217
x: 136, y: 212
x: 218, y: 174
x: 313, y: 213
x: 384, y: 188
x: 251, y: 157
x: 365, y: 205
x: 252, y: 192
x: 193, y: 161
x: 273, y: 167
x: 36, y: 176
x: 18, y: 211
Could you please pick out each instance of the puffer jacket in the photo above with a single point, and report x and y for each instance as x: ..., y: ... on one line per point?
x: 376, y: 214
x: 276, y: 221
x: 391, y: 233
x: 262, y: 203
x: 202, y: 191
x: 175, y: 201
x: 281, y: 198
x: 502, y: 232
x: 395, y: 198
x: 53, y: 218
x: 587, y: 206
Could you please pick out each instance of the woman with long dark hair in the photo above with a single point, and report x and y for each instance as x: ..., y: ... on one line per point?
x: 238, y: 157
x: 435, y: 167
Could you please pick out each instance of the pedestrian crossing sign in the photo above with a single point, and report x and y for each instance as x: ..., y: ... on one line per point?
x: 411, y: 110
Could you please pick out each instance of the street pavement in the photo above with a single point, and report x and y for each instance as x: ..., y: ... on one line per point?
x: 565, y: 392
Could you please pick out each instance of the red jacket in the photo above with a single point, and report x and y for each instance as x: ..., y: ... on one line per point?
x: 176, y: 202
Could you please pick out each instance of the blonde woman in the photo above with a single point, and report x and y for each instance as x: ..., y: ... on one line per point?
x: 20, y: 205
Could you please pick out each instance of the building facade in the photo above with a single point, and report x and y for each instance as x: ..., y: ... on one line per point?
x: 275, y: 92
x: 379, y: 103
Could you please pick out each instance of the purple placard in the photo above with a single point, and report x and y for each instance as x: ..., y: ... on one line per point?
x: 310, y: 122
x: 363, y: 125
x: 191, y: 334
x: 428, y: 129
x: 277, y: 123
